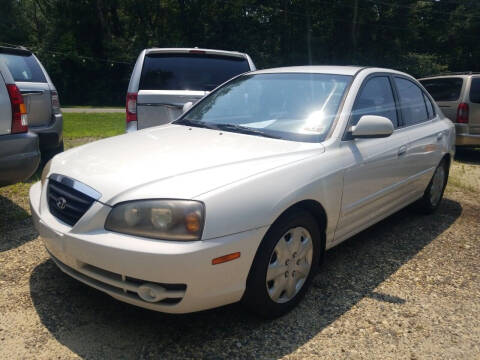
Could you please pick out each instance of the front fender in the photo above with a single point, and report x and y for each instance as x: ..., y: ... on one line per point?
x: 259, y: 200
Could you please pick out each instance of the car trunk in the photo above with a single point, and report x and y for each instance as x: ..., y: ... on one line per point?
x: 38, y: 101
x: 156, y: 107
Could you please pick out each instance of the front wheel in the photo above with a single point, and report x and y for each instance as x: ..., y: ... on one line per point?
x: 284, y: 265
x: 433, y: 195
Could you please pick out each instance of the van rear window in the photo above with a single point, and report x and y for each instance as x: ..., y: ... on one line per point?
x: 444, y: 89
x: 23, y: 68
x: 475, y: 91
x: 198, y: 72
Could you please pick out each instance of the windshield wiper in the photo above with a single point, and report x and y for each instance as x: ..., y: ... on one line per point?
x: 226, y: 127
x: 245, y: 130
x: 194, y: 123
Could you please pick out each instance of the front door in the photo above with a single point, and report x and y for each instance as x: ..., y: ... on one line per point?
x: 371, y: 181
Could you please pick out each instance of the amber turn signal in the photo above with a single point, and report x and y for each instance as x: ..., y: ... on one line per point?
x: 225, y: 258
x: 192, y: 222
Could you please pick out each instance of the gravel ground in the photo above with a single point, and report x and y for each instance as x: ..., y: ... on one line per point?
x: 409, y: 287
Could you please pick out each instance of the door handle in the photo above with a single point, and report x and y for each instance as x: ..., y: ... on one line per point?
x: 439, y: 136
x: 32, y: 92
x: 402, y: 150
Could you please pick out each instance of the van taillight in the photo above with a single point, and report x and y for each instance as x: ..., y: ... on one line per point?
x: 131, y: 107
x: 55, y: 102
x: 462, y: 113
x: 19, y: 110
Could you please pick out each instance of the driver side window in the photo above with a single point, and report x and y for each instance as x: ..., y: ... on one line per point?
x: 375, y: 98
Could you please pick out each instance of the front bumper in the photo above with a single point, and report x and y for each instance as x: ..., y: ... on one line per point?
x: 19, y: 157
x: 120, y: 265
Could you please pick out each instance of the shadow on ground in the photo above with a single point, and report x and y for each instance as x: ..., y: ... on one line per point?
x: 93, y: 325
x: 468, y: 155
x: 16, y: 226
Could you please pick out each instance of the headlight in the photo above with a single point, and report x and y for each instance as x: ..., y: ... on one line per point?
x: 158, y: 219
x: 46, y: 170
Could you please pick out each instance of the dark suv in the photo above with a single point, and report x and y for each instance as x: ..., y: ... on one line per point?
x: 40, y: 96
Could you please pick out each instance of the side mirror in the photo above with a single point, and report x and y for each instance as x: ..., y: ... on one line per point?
x: 187, y: 106
x: 372, y: 126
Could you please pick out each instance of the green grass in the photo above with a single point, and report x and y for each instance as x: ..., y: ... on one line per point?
x: 91, y: 107
x: 92, y: 125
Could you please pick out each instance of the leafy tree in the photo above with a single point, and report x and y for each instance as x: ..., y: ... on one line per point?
x: 89, y: 46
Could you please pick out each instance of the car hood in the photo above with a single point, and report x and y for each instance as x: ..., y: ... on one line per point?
x: 174, y: 161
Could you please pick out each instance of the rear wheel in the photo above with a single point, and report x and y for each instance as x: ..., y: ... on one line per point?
x: 433, y: 195
x: 284, y: 265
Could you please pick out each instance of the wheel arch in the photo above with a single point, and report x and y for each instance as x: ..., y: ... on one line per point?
x: 448, y: 160
x: 315, y: 209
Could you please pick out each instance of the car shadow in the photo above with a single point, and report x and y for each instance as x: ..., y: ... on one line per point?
x: 93, y: 325
x: 468, y: 155
x: 16, y: 227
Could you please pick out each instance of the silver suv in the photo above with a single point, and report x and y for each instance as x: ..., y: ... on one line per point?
x: 165, y: 80
x: 458, y: 95
x: 19, y: 155
x: 40, y: 96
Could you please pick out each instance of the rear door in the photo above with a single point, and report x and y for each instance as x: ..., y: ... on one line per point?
x: 446, y: 92
x: 474, y: 93
x: 169, y: 80
x: 33, y: 85
x: 425, y: 134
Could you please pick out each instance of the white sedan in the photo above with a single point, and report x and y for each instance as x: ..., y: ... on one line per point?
x: 239, y: 198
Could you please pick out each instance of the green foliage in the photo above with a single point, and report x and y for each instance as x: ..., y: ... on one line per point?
x: 89, y: 47
x: 420, y: 65
x: 93, y: 125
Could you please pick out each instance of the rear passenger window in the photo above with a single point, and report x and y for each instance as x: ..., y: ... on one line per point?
x: 431, y: 112
x: 376, y: 98
x: 475, y: 91
x: 412, y: 103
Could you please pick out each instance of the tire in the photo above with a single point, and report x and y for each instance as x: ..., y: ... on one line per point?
x: 291, y: 245
x: 432, y: 198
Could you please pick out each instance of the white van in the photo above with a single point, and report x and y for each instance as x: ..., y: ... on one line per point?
x: 165, y: 79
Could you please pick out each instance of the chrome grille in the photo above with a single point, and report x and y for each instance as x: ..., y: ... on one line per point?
x: 65, y: 202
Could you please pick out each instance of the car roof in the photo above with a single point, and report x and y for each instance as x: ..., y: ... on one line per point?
x: 326, y: 69
x: 462, y: 75
x: 19, y: 50
x: 190, y: 50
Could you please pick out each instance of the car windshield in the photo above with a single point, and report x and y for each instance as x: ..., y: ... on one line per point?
x: 291, y: 106
x: 199, y: 72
